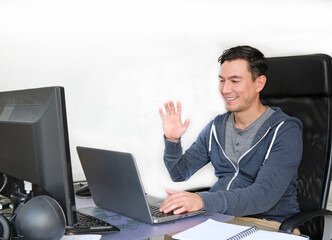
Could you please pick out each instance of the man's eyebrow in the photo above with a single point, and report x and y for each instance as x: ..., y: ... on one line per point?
x: 231, y: 77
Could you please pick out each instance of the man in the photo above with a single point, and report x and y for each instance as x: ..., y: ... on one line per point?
x: 255, y: 149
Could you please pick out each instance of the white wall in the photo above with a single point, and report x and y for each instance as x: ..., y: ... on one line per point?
x: 120, y: 60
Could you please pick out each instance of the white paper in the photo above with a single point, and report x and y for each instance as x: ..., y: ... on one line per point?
x: 213, y: 230
x: 81, y: 237
x: 209, y: 230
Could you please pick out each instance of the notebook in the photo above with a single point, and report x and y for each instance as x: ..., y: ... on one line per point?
x: 211, y: 229
x: 115, y: 185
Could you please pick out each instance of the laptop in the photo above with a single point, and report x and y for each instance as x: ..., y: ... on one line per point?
x: 115, y: 185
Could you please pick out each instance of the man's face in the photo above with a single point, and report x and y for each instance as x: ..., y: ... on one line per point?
x: 237, y: 86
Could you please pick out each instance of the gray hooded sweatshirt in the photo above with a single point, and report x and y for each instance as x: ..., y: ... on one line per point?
x: 262, y: 184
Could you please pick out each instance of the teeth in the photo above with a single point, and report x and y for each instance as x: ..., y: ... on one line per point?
x: 230, y: 99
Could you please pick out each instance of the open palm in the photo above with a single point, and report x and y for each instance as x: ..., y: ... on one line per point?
x: 172, y: 124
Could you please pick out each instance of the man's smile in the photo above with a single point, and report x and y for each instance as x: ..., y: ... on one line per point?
x: 230, y: 98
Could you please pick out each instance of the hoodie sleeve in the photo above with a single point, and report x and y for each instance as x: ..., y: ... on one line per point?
x: 182, y: 166
x: 272, y: 182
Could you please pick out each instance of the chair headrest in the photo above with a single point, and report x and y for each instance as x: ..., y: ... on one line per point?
x: 298, y: 76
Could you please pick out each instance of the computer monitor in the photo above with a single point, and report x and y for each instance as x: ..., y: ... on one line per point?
x: 34, y: 144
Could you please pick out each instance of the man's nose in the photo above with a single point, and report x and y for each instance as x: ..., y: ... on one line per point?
x: 225, y: 87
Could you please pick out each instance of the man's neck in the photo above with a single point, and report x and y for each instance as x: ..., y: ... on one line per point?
x: 242, y: 120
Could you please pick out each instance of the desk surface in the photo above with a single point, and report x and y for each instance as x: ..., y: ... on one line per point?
x: 131, y: 229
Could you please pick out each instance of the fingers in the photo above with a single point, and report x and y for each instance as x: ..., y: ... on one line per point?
x: 175, y: 204
x: 170, y: 109
x: 162, y: 115
x: 179, y: 108
x: 172, y: 201
x: 167, y: 109
x: 180, y: 202
x: 180, y: 210
x: 172, y: 123
x: 170, y: 191
x: 186, y: 124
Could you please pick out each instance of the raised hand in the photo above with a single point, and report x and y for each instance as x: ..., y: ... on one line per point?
x: 172, y: 124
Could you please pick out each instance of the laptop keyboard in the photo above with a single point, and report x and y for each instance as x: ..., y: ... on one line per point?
x: 156, y: 213
x: 89, y: 224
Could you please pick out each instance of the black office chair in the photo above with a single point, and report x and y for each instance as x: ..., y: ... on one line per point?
x: 302, y: 87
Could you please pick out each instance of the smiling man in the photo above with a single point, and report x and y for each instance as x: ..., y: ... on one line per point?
x: 255, y: 149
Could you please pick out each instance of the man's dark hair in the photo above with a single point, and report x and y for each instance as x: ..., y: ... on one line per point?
x: 257, y: 62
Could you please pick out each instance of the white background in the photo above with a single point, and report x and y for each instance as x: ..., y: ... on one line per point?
x: 120, y: 60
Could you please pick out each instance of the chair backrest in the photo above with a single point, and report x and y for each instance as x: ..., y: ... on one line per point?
x: 301, y: 86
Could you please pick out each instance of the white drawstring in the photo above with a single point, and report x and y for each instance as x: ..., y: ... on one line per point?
x: 210, y: 141
x: 272, y: 142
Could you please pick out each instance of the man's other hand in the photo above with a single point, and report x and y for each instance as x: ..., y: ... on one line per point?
x: 181, y: 201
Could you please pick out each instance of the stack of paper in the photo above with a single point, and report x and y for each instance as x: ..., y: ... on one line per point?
x: 210, y: 230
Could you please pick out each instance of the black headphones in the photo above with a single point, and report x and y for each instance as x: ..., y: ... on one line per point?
x: 25, y: 227
x: 4, y: 228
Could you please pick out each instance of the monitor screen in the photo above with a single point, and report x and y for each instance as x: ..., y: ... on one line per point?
x: 34, y: 144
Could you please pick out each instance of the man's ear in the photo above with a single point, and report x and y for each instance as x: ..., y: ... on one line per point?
x: 260, y: 82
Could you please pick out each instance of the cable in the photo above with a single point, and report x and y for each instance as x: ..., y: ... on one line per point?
x: 5, y: 179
